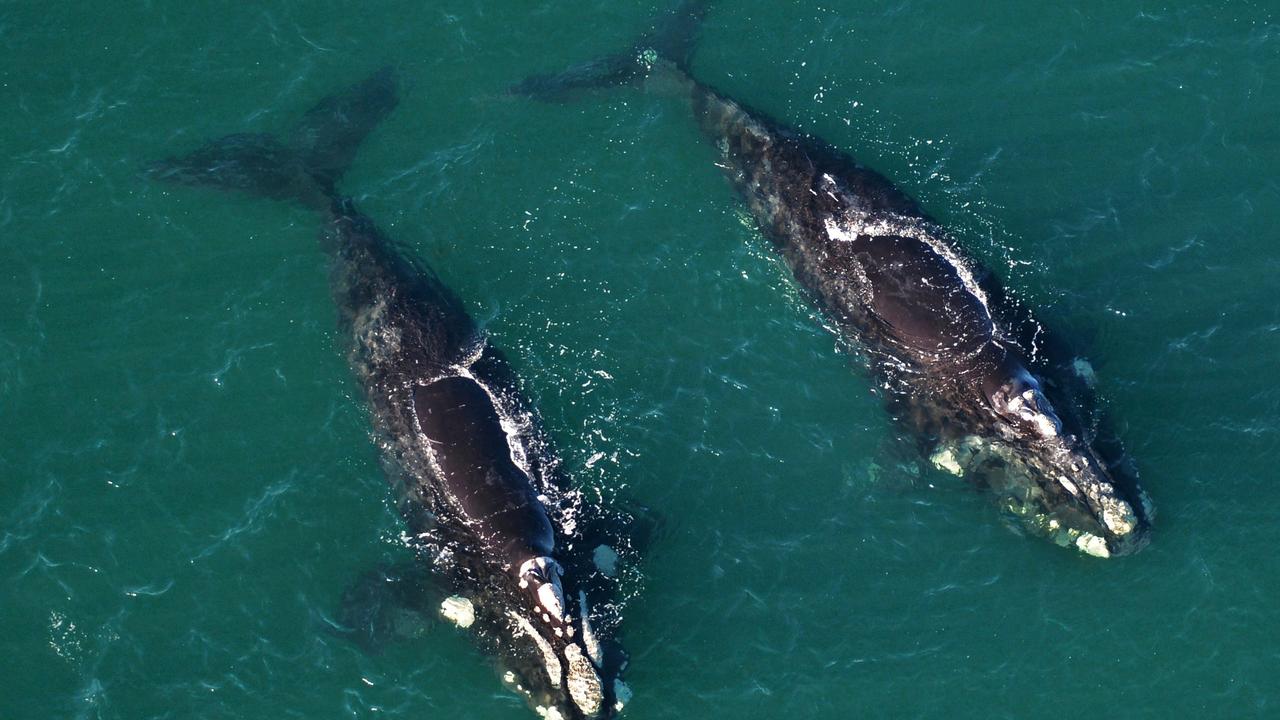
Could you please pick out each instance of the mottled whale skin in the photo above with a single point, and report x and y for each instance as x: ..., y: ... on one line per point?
x: 466, y: 450
x: 938, y: 332
x: 475, y: 478
x: 892, y: 279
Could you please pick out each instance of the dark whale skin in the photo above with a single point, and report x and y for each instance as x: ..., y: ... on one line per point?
x: 475, y: 478
x: 987, y: 392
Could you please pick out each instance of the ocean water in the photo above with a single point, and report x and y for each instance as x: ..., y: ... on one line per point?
x: 186, y: 479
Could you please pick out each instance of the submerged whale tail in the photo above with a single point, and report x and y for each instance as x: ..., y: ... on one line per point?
x: 303, y: 166
x: 672, y: 40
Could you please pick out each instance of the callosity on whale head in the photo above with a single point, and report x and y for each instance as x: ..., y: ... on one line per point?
x: 938, y: 333
x: 553, y: 646
x: 541, y: 575
x: 1045, y: 472
x: 549, y: 652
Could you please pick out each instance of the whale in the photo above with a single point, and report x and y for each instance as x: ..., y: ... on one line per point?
x: 966, y: 369
x: 477, y: 482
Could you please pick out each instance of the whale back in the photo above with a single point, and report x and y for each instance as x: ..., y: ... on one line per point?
x: 920, y: 298
x: 471, y: 449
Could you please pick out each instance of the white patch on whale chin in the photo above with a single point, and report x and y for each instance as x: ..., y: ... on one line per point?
x: 550, y: 713
x: 1118, y: 516
x: 1093, y: 545
x: 1070, y: 486
x: 459, y: 611
x: 1026, y: 406
x: 945, y: 459
x: 550, y: 600
x: 1045, y: 425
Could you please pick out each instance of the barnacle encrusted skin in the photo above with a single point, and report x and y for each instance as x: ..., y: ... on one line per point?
x: 549, y: 658
x: 458, y: 610
x: 584, y: 684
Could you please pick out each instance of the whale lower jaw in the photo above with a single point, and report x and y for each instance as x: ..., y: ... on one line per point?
x: 1119, y: 531
x: 570, y: 671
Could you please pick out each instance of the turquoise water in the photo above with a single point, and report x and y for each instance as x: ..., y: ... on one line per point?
x: 187, y: 479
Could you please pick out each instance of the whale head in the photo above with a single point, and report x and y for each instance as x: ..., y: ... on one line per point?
x: 549, y: 649
x: 1045, y: 472
x: 541, y: 577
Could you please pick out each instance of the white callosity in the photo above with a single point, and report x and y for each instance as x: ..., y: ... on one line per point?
x: 1027, y: 406
x: 549, y: 658
x: 958, y: 456
x: 584, y: 684
x: 1116, y: 515
x: 1093, y: 545
x: 1068, y: 485
x: 945, y: 459
x: 544, y: 574
x: 550, y: 713
x: 552, y: 601
x: 589, y: 640
x: 458, y: 610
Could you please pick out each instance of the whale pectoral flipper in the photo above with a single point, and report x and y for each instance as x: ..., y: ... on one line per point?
x: 459, y: 419
x: 387, y: 604
x: 329, y: 134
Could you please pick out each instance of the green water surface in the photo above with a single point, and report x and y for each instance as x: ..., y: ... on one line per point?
x: 186, y: 479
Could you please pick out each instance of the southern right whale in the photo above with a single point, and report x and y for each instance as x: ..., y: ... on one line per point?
x: 486, y: 509
x: 957, y: 362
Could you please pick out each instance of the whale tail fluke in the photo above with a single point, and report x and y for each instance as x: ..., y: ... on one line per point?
x: 303, y: 167
x: 671, y: 41
x: 675, y: 35
x: 255, y: 163
x: 329, y: 134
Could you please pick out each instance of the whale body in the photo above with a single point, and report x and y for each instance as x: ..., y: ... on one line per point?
x: 474, y: 477
x: 938, y: 332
